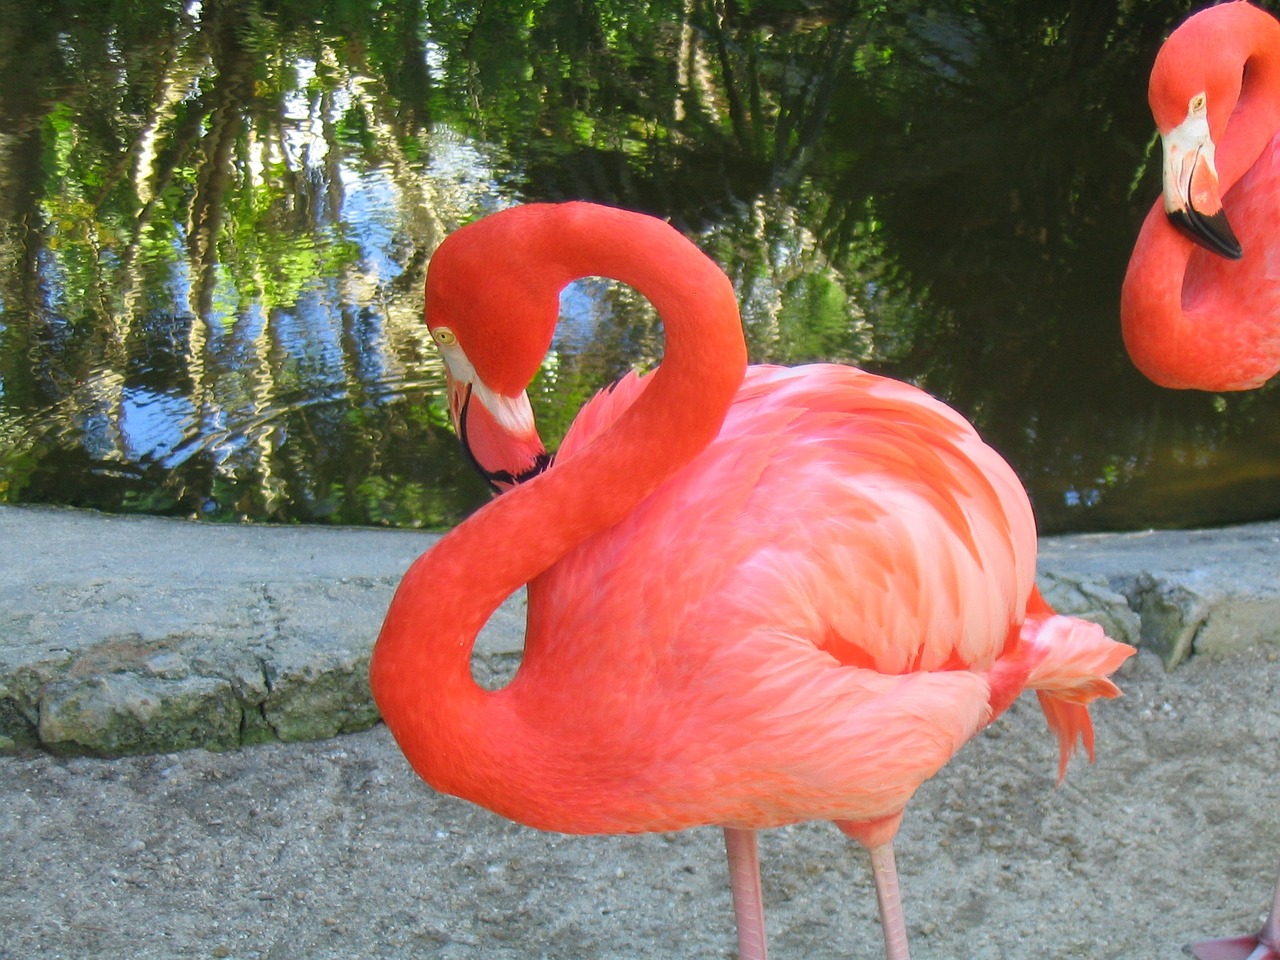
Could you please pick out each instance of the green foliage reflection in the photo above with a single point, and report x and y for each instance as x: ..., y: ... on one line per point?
x: 215, y: 218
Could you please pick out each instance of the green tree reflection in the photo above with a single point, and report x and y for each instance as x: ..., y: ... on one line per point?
x: 215, y: 218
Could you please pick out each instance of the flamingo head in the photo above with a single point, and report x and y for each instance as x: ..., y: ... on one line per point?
x: 492, y: 320
x: 1194, y: 87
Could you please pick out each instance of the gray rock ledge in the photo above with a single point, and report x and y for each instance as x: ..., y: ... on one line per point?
x: 139, y: 634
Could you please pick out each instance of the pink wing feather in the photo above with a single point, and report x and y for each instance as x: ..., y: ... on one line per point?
x: 872, y: 564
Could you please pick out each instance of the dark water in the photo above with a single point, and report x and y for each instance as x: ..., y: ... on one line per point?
x: 215, y: 220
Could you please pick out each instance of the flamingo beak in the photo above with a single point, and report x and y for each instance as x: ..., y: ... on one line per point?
x: 497, y: 431
x: 1192, y: 198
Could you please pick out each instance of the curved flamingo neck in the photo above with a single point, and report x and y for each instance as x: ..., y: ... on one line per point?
x: 458, y: 737
x: 1177, y: 336
x: 1254, y: 50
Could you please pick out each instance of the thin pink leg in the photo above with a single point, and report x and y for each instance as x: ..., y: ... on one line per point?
x: 748, y: 898
x: 884, y: 871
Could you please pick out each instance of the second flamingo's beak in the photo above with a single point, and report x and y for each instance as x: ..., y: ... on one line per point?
x: 1192, y: 198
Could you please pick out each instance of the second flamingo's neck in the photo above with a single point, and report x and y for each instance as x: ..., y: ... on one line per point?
x: 420, y: 671
x: 1255, y: 117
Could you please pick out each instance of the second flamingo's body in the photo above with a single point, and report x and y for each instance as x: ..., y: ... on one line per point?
x: 1200, y: 307
x: 756, y: 595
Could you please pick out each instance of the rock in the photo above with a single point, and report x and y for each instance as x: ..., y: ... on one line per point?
x: 1204, y: 592
x: 1092, y: 598
x: 320, y: 697
x: 122, y: 713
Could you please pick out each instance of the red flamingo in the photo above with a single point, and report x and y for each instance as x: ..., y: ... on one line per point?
x: 1200, y: 308
x: 756, y: 595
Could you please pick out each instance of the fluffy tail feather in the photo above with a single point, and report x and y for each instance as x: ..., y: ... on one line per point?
x: 1069, y: 660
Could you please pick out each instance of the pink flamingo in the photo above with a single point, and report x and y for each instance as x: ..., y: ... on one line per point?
x: 756, y: 595
x: 1199, y: 308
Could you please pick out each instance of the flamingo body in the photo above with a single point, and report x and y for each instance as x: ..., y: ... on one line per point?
x: 808, y: 592
x: 1192, y: 318
x: 714, y: 656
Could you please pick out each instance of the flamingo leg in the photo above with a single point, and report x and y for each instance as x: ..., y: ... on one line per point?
x: 748, y: 897
x: 884, y: 871
x: 1264, y: 946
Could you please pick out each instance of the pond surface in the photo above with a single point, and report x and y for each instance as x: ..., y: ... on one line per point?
x: 215, y: 220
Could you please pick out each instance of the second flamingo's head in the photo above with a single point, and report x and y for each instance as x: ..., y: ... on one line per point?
x: 492, y: 321
x: 1195, y: 84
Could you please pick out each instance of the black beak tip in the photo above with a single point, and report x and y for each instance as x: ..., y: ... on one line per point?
x: 1212, y: 232
x: 499, y: 480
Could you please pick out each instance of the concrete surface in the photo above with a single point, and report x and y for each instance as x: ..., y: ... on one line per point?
x: 139, y: 634
x: 132, y: 635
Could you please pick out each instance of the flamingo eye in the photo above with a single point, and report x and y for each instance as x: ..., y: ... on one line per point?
x: 1198, y: 104
x: 444, y: 336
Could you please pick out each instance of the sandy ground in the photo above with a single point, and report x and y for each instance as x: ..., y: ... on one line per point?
x: 335, y: 849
